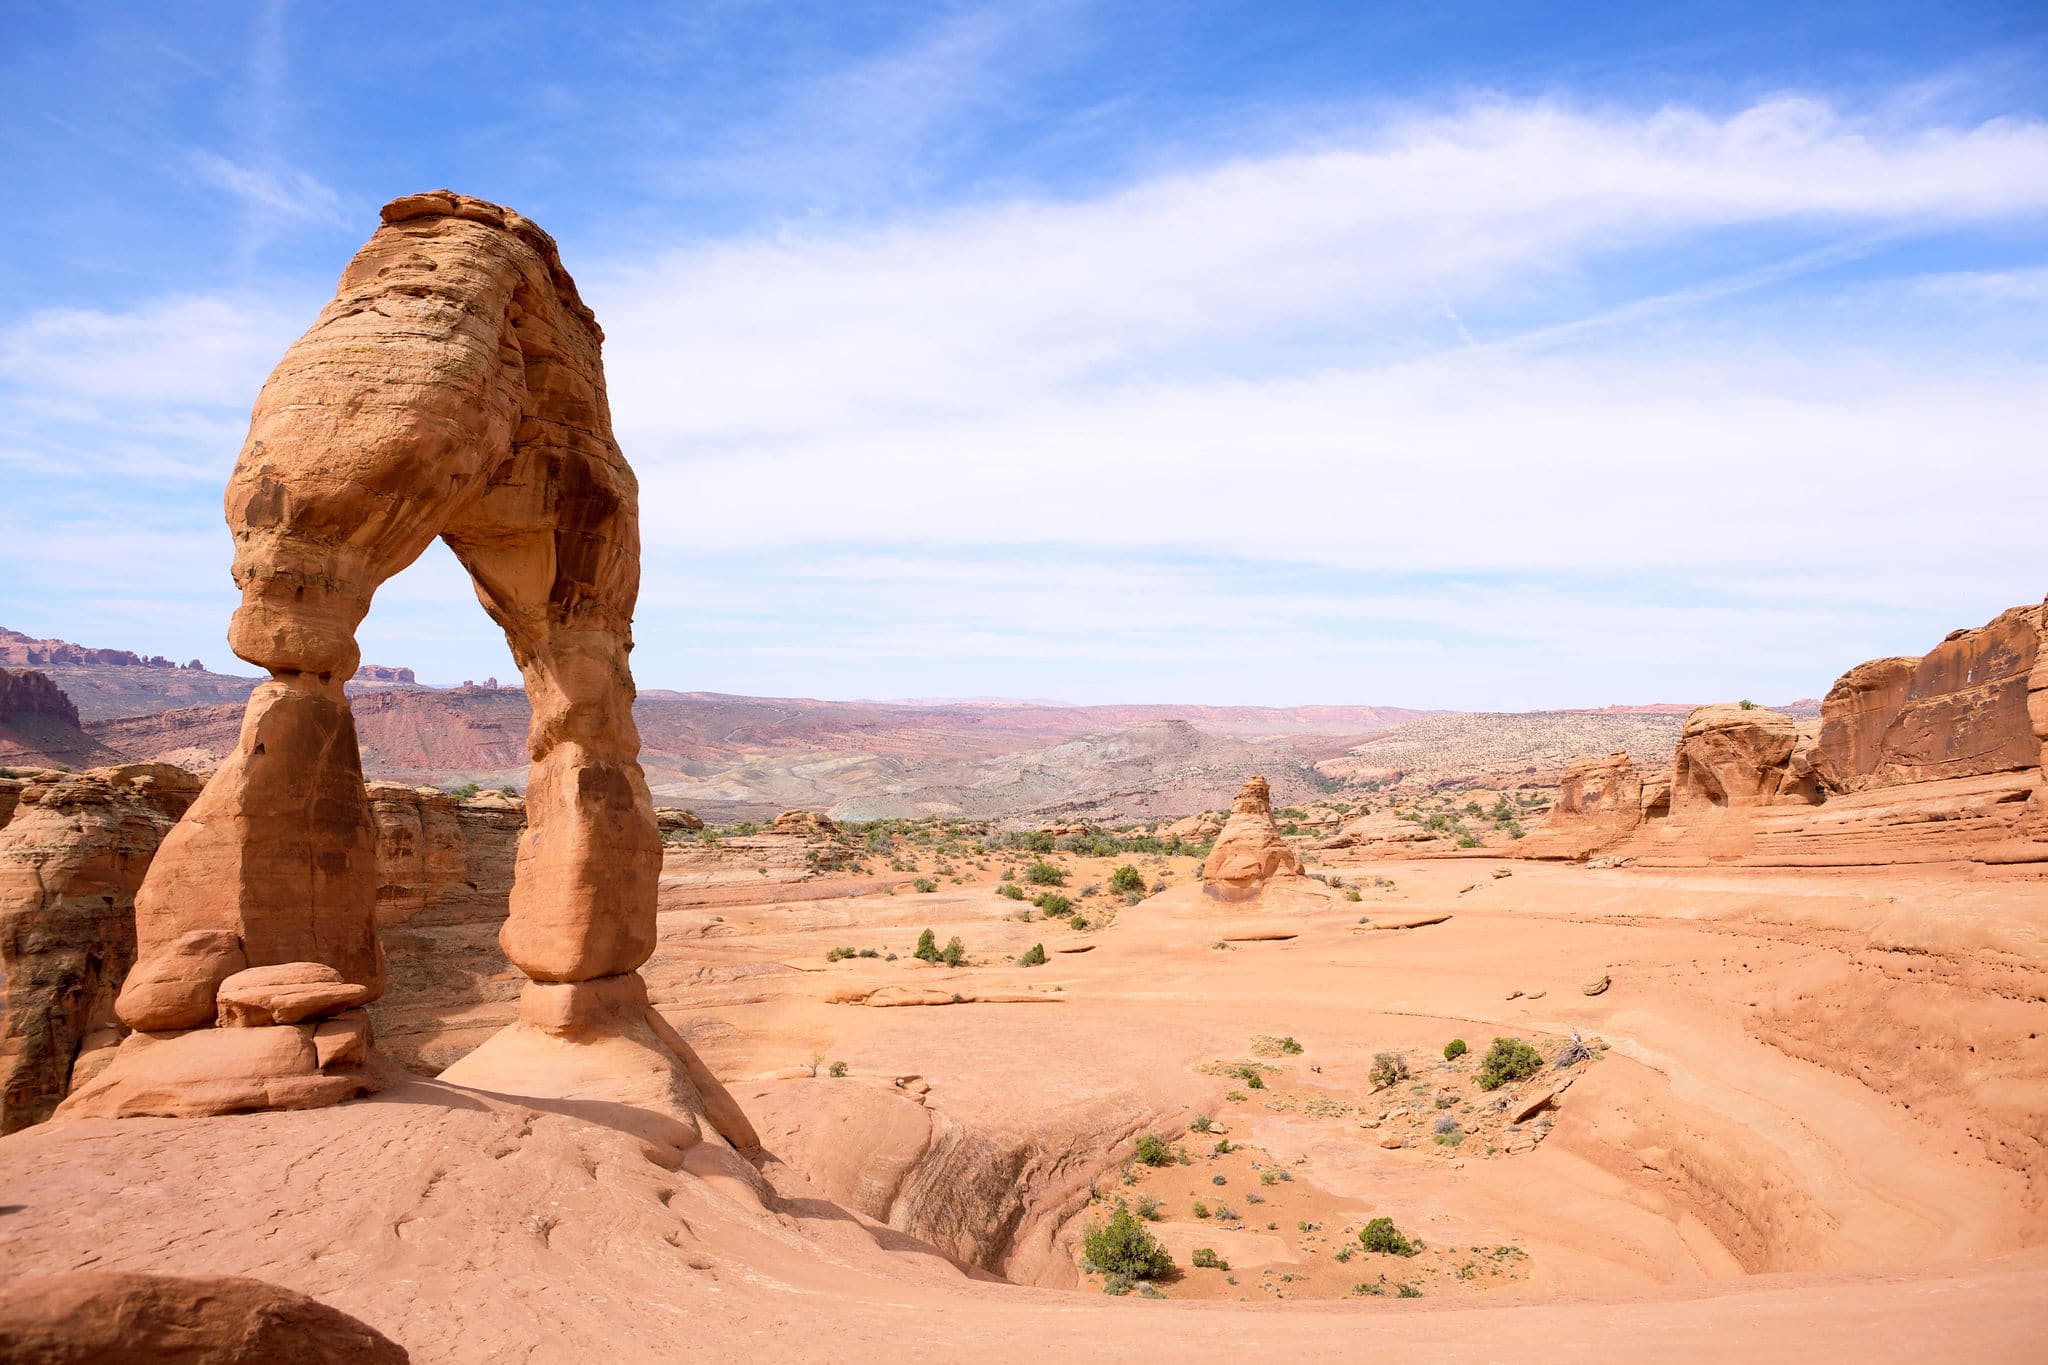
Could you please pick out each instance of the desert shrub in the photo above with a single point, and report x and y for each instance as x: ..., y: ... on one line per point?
x: 1226, y: 1213
x: 926, y: 885
x: 1045, y: 874
x: 1746, y: 704
x: 956, y: 952
x: 1127, y: 878
x: 1467, y: 841
x: 1036, y: 841
x: 1447, y: 1123
x: 1154, y: 1150
x: 1148, y: 1209
x: 1012, y: 890
x: 1123, y: 1246
x: 838, y: 1069
x: 1289, y: 1046
x: 927, y: 946
x: 1455, y: 1049
x: 1353, y: 896
x: 1574, y: 1052
x: 1407, y: 1291
x: 1205, y: 1258
x: 1382, y: 1236
x: 870, y: 952
x: 1202, y: 1124
x: 834, y: 954
x: 1201, y: 1209
x: 1034, y: 956
x: 1387, y: 1068
x: 1223, y: 1147
x: 1054, y: 904
x: 1118, y: 1285
x: 1219, y: 1180
x: 1078, y: 922
x: 1507, y: 1061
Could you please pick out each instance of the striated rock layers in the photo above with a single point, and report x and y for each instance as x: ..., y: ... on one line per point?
x: 1599, y: 803
x: 70, y: 862
x: 1930, y: 759
x: 452, y: 389
x: 39, y: 725
x: 1249, y: 852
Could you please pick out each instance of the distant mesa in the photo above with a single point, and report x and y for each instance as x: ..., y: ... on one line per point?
x: 384, y: 673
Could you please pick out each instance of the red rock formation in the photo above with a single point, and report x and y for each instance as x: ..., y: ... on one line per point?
x: 1854, y: 716
x: 1599, y: 804
x: 70, y: 863
x: 384, y: 673
x: 1249, y: 852
x: 1928, y: 759
x: 24, y: 693
x: 453, y: 388
x: 101, y: 1318
x: 1731, y: 756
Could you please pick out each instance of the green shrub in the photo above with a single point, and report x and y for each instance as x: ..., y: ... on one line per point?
x: 1154, y: 1150
x: 1382, y: 1236
x: 1455, y: 1049
x: 838, y: 1069
x: 1148, y: 1209
x: 927, y: 946
x: 1201, y: 1209
x: 956, y: 952
x: 1205, y: 1258
x: 1054, y: 904
x: 1289, y: 1046
x: 1034, y: 956
x: 1012, y: 890
x: 1387, y: 1068
x: 1507, y: 1061
x: 1127, y: 878
x: 1078, y: 922
x: 1123, y: 1246
x: 926, y: 885
x: 1407, y: 1291
x: 1202, y: 1124
x: 1045, y: 874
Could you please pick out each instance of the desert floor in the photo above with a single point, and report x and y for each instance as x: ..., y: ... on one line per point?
x: 1812, y: 1127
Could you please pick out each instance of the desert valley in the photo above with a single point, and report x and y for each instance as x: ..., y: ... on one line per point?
x: 1065, y: 681
x: 937, y: 1029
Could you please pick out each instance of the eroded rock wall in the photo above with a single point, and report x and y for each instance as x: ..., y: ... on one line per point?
x: 71, y: 860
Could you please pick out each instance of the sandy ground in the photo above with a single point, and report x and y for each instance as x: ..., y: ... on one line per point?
x: 1815, y: 1131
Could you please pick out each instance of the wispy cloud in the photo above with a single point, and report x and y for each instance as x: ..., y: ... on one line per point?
x: 283, y: 192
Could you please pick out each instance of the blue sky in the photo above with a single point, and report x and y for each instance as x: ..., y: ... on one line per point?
x: 1482, y: 355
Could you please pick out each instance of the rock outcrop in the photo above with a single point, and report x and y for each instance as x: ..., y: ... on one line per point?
x: 452, y: 389
x: 1731, y: 756
x: 1930, y: 759
x: 1599, y: 804
x: 39, y: 725
x: 71, y: 860
x: 102, y: 1318
x: 1249, y: 852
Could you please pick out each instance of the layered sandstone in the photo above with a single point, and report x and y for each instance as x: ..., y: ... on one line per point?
x: 71, y: 860
x: 1599, y: 804
x: 1914, y: 760
x: 452, y: 389
x: 1249, y: 852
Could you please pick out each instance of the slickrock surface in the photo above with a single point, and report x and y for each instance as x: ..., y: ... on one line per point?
x: 71, y: 859
x: 1792, y: 1032
x: 88, y: 1318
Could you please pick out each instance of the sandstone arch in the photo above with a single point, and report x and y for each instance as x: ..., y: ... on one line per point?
x: 453, y: 388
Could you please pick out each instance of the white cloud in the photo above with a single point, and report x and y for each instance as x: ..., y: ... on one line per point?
x: 1389, y: 419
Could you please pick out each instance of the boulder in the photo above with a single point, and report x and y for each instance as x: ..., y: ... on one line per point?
x: 801, y: 822
x: 673, y: 820
x: 103, y: 1318
x: 175, y: 989
x: 1249, y: 852
x: 287, y: 993
x: 1731, y: 756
